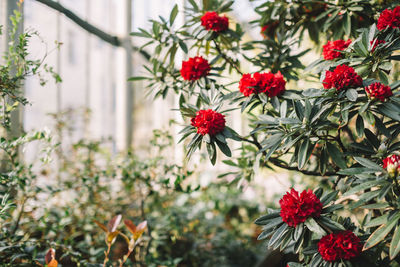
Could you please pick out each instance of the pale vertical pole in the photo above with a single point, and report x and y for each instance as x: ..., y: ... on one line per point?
x: 16, y: 114
x: 58, y: 64
x: 87, y: 74
x: 129, y: 72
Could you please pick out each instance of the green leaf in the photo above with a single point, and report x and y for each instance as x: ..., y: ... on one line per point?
x: 347, y: 24
x: 273, y: 222
x: 327, y: 198
x: 276, y: 238
x: 299, y: 109
x: 265, y: 234
x: 224, y: 148
x: 336, y: 155
x: 173, y: 14
x: 371, y: 138
x: 390, y: 110
x: 352, y: 171
x: 323, y: 160
x: 212, y: 154
x: 381, y: 233
x: 298, y: 231
x: 194, y: 5
x: 352, y: 95
x: 331, y: 224
x: 314, y: 227
x: 395, y: 244
x: 362, y: 187
x: 183, y: 46
x: 381, y: 127
x: 304, y: 153
x: 377, y: 221
x: 360, y: 126
x: 368, y: 163
x: 263, y: 220
x: 137, y: 78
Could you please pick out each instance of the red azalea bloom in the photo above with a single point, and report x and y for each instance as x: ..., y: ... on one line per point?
x: 377, y: 42
x: 342, y: 77
x: 212, y: 21
x: 269, y: 83
x: 392, y: 165
x: 195, y: 68
x: 378, y: 91
x: 329, y: 49
x: 342, y: 245
x: 208, y: 121
x: 297, y: 208
x: 389, y: 18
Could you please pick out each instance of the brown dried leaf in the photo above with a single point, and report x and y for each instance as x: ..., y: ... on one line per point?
x: 50, y: 255
x: 113, y: 224
x: 52, y: 263
x: 130, y: 225
x: 102, y: 226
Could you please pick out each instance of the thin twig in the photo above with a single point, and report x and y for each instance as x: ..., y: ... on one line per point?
x: 107, y: 253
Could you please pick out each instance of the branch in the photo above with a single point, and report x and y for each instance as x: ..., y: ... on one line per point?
x: 228, y: 59
x: 108, y: 38
x: 276, y: 162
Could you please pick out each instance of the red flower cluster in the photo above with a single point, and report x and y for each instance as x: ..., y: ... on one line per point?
x: 208, y: 121
x: 328, y: 50
x: 392, y: 165
x: 389, y: 18
x: 297, y: 208
x: 342, y: 77
x: 377, y: 42
x: 212, y: 21
x: 268, y: 83
x: 268, y: 30
x: 378, y: 91
x: 342, y: 245
x: 195, y: 68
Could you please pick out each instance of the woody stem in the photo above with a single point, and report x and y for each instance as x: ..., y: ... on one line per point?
x: 107, y: 253
x: 125, y: 258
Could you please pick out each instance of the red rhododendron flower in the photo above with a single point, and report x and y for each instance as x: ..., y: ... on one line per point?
x: 329, y: 49
x: 377, y: 42
x: 297, y: 208
x: 208, y: 121
x: 342, y: 245
x: 212, y: 21
x: 195, y: 68
x: 392, y: 165
x: 269, y: 83
x: 268, y: 30
x: 389, y: 18
x: 342, y: 77
x: 378, y: 91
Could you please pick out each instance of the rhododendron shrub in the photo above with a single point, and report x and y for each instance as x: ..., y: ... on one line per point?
x: 335, y: 119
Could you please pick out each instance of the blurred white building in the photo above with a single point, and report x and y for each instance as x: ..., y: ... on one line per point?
x: 94, y: 73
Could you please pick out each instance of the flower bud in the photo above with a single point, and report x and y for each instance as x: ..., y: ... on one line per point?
x: 391, y: 164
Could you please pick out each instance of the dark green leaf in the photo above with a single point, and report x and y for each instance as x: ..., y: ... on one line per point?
x: 336, y: 155
x: 381, y: 233
x: 304, y: 153
x: 395, y: 244
x: 173, y: 14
